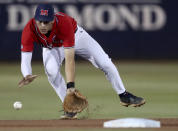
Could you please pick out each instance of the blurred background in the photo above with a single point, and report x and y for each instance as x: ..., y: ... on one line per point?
x: 129, y: 29
x: 141, y: 37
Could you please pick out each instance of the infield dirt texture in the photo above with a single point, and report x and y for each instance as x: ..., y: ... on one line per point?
x: 88, y: 123
x: 156, y: 81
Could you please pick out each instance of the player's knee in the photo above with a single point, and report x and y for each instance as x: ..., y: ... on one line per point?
x: 105, y: 66
x: 51, y: 72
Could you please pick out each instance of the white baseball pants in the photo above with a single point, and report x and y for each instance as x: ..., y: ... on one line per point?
x: 88, y: 48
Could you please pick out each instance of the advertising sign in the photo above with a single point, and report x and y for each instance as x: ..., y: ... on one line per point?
x: 124, y: 28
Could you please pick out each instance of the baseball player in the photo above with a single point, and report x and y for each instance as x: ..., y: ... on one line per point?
x: 61, y: 38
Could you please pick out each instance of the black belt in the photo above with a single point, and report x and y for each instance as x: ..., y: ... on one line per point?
x: 76, y: 30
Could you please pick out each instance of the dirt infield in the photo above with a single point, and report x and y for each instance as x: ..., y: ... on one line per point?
x: 90, y: 123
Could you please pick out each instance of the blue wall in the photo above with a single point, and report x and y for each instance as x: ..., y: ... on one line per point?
x: 125, y: 29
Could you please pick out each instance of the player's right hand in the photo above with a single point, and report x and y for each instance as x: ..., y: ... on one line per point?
x: 26, y: 80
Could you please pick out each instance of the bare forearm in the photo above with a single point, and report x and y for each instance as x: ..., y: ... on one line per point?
x: 70, y: 71
x: 69, y: 65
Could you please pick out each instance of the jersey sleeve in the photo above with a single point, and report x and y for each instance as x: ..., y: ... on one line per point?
x: 27, y: 39
x: 68, y: 33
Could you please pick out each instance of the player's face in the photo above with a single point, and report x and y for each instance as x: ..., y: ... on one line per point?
x: 45, y: 26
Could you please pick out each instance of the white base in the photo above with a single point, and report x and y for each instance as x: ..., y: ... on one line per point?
x: 132, y: 123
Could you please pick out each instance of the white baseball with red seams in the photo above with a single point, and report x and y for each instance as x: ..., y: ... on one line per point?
x: 17, y: 105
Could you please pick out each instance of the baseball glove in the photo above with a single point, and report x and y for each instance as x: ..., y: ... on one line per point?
x: 26, y: 80
x: 74, y: 101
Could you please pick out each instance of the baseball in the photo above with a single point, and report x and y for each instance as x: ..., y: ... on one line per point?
x: 17, y: 105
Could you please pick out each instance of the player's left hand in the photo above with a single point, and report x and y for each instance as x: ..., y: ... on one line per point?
x: 26, y: 80
x: 74, y: 101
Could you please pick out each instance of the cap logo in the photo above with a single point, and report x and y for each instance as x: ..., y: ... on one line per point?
x: 44, y: 12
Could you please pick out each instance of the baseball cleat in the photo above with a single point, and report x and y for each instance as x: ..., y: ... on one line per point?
x: 128, y: 99
x: 69, y: 116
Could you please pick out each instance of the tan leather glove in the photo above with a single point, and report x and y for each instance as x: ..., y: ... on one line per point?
x: 74, y: 101
x: 26, y: 80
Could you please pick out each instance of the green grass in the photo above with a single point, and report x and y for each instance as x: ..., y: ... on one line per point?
x: 157, y: 82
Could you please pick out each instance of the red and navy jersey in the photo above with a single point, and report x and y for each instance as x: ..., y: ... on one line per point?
x: 62, y: 34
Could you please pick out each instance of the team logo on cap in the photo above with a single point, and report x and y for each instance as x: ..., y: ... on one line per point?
x: 44, y: 12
